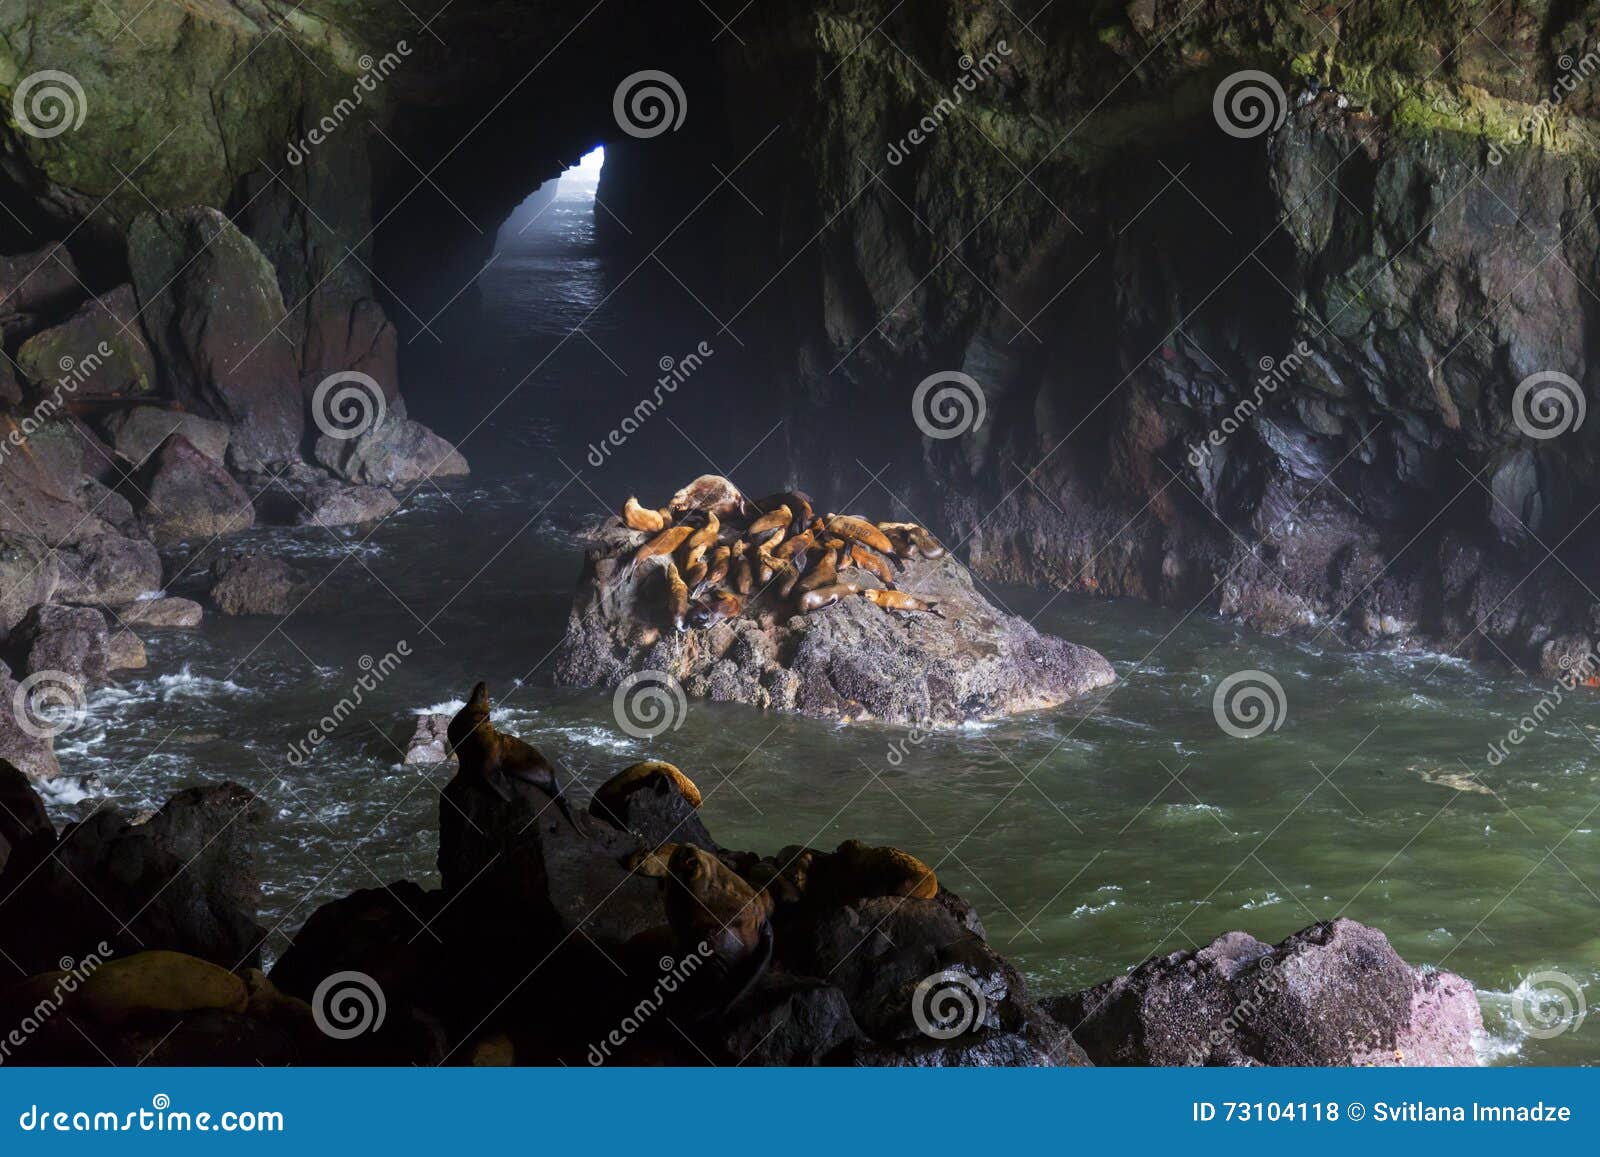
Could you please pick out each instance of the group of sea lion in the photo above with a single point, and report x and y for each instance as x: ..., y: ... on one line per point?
x: 724, y: 900
x: 718, y: 550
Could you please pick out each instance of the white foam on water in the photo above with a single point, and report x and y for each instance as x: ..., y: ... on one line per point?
x: 1093, y: 909
x: 448, y: 707
x: 1266, y: 901
x: 185, y: 684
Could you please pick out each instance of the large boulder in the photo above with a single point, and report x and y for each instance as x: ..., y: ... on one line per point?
x: 852, y: 660
x: 108, y: 569
x: 100, y: 351
x: 68, y: 643
x: 189, y: 495
x: 22, y: 814
x: 137, y: 432
x: 255, y: 584
x: 29, y: 575
x: 183, y: 880
x: 212, y: 306
x: 336, y: 504
x: 25, y: 737
x: 1336, y: 993
x: 43, y: 281
x: 394, y: 452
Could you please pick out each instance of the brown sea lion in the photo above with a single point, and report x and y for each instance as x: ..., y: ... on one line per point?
x: 504, y: 764
x: 860, y: 530
x: 798, y: 502
x: 857, y: 870
x: 677, y: 594
x: 721, y: 561
x: 901, y: 601
x: 708, y: 902
x: 651, y: 862
x: 713, y: 608
x: 790, y: 547
x: 664, y: 543
x: 824, y: 572
x: 826, y: 596
x: 778, y: 520
x: 713, y: 494
x: 638, y: 518
x: 744, y: 578
x: 915, y: 538
x: 641, y: 775
x: 872, y: 562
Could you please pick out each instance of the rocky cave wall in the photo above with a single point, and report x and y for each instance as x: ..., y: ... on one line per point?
x: 1076, y: 232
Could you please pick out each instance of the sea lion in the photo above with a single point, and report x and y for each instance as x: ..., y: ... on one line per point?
x: 798, y: 502
x: 696, y: 574
x: 665, y: 543
x: 638, y: 518
x: 638, y: 776
x: 901, y: 601
x: 504, y: 764
x: 856, y: 871
x: 650, y: 862
x: 708, y: 902
x: 912, y: 538
x: 776, y: 520
x: 860, y: 530
x: 713, y: 494
x: 791, y: 547
x: 825, y: 572
x: 713, y: 608
x: 826, y: 596
x: 721, y: 560
x: 677, y: 594
x: 872, y: 562
x: 744, y: 579
x: 706, y: 537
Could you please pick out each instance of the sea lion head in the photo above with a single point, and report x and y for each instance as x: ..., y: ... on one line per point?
x: 466, y: 723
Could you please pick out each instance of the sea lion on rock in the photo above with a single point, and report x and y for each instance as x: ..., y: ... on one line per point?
x: 713, y: 608
x: 638, y: 518
x: 504, y: 764
x: 721, y: 560
x: 826, y: 596
x: 798, y: 502
x: 775, y: 520
x: 860, y: 530
x: 638, y: 776
x: 911, y: 538
x: 652, y: 862
x: 824, y: 573
x: 857, y: 870
x: 665, y: 543
x: 901, y: 601
x: 707, y: 902
x: 870, y: 561
x: 713, y: 494
x: 677, y: 594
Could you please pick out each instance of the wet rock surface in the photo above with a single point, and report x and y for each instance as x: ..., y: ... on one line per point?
x: 1333, y: 994
x: 852, y: 660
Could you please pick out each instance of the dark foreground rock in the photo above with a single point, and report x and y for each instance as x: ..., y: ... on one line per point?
x: 256, y: 584
x: 1333, y: 994
x: 852, y: 660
